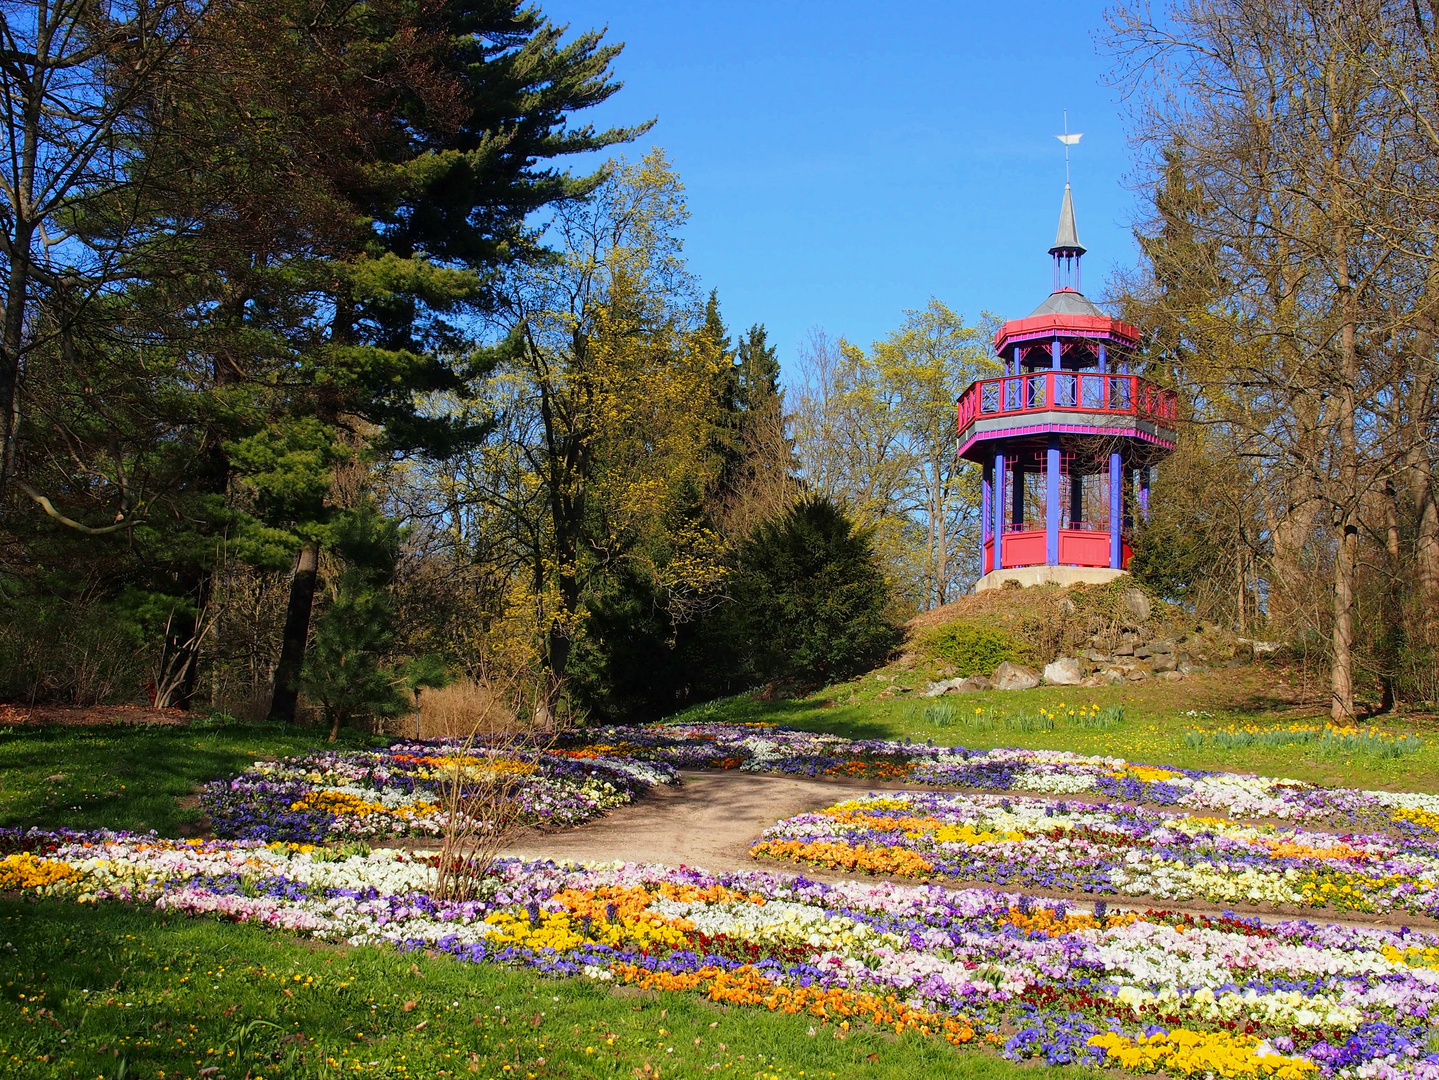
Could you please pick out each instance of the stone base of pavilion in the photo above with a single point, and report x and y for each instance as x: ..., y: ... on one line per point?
x: 1048, y: 575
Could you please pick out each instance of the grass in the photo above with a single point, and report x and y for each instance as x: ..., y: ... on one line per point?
x: 135, y: 777
x: 1159, y: 726
x: 108, y: 992
x: 1074, y: 716
x: 1321, y: 739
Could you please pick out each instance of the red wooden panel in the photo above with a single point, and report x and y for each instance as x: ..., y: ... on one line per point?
x: 1024, y: 548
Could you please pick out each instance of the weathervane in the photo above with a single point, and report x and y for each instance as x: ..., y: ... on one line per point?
x: 1068, y: 140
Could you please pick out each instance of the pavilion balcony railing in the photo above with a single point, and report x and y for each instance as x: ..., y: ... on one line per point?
x: 1072, y: 391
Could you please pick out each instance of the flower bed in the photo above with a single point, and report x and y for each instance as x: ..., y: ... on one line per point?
x: 1141, y: 992
x: 765, y: 748
x: 1109, y: 849
x: 397, y: 791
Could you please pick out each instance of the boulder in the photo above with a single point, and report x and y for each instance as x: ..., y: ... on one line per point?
x: 1186, y: 668
x: 1169, y: 676
x: 970, y: 685
x: 1133, y: 607
x: 1012, y: 676
x: 1161, y: 646
x: 1262, y: 648
x: 1165, y: 662
x: 1066, y: 671
x: 1138, y: 675
x: 1124, y: 650
x: 1144, y: 652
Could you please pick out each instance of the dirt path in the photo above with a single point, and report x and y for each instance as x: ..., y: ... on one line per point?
x: 710, y: 820
x: 707, y: 821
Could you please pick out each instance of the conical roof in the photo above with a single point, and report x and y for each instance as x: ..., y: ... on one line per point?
x: 1068, y: 302
x: 1066, y: 240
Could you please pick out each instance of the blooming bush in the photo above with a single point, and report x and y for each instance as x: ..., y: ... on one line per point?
x: 1137, y: 991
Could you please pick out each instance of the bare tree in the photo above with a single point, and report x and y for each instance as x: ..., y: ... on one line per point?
x: 74, y: 77
x: 1281, y: 119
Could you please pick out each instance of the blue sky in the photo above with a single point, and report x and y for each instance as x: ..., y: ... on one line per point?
x: 845, y: 161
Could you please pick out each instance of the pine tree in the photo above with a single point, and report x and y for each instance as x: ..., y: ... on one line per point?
x: 809, y: 597
x: 348, y: 670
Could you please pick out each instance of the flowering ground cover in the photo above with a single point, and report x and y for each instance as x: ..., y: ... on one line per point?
x: 397, y: 791
x: 1104, y: 848
x: 759, y: 747
x: 1033, y: 979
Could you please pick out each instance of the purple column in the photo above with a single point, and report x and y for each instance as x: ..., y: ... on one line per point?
x: 1051, y: 503
x: 1116, y: 511
x: 1103, y: 357
x: 1056, y: 350
x: 984, y: 512
x: 1018, y: 358
x: 998, y: 509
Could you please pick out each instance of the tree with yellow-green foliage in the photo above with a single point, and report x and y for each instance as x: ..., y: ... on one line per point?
x: 875, y: 431
x: 605, y: 456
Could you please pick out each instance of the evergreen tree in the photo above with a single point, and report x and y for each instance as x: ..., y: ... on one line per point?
x: 757, y: 363
x: 809, y: 598
x: 348, y: 670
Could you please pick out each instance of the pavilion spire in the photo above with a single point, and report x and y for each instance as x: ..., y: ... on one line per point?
x: 1066, y: 239
x: 1067, y: 249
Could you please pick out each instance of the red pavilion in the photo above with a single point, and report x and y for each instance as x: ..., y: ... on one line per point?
x: 1067, y: 437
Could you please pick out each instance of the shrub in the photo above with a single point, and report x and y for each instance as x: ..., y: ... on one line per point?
x: 72, y: 649
x: 810, y: 599
x: 345, y: 671
x: 971, y: 650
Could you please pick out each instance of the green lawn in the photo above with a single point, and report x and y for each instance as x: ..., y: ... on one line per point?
x: 134, y: 778
x: 108, y: 991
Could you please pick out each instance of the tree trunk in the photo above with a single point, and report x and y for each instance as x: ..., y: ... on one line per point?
x: 941, y: 542
x: 1346, y: 558
x: 1421, y: 489
x: 1239, y: 604
x: 296, y: 634
x: 11, y: 344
